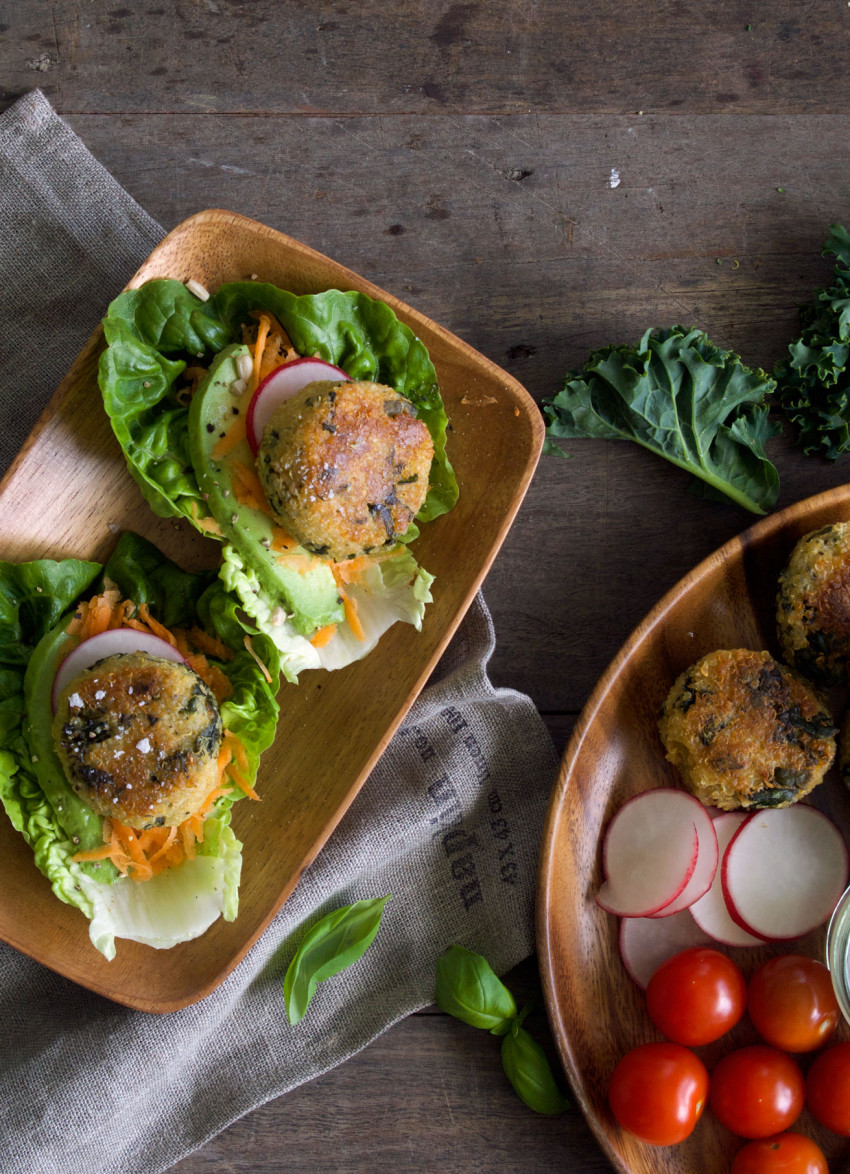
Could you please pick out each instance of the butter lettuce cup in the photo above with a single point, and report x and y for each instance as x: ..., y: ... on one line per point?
x: 136, y: 703
x: 306, y: 434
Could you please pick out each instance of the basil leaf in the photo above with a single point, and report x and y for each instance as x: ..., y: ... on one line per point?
x: 680, y: 396
x: 527, y: 1068
x: 332, y: 945
x: 468, y: 989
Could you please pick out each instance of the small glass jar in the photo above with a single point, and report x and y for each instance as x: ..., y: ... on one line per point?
x: 838, y: 952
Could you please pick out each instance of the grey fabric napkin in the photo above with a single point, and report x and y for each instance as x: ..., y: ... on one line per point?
x: 449, y: 821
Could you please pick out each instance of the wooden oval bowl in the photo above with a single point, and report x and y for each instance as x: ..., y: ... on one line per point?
x: 595, y: 1010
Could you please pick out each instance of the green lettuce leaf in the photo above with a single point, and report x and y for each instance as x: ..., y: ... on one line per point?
x: 168, y: 317
x: 148, y: 421
x: 814, y: 381
x: 162, y: 318
x: 390, y: 590
x: 37, y: 597
x: 138, y: 379
x: 683, y: 398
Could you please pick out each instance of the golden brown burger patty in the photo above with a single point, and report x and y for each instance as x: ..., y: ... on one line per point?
x: 745, y: 731
x: 138, y: 737
x: 813, y: 605
x: 345, y: 466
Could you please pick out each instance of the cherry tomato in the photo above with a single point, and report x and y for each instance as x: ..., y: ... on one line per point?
x: 792, y: 1004
x: 696, y: 996
x: 658, y: 1092
x: 757, y: 1091
x: 828, y: 1089
x: 786, y: 1153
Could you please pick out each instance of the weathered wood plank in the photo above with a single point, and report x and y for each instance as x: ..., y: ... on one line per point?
x: 535, y: 273
x: 500, y: 57
x: 428, y: 1095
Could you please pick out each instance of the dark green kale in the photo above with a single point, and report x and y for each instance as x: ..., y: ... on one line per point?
x: 814, y: 381
x: 680, y: 396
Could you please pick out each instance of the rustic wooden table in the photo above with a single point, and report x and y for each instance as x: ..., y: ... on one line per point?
x: 541, y: 178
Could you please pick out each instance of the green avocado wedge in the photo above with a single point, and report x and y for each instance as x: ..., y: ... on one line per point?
x: 303, y: 583
x: 81, y: 825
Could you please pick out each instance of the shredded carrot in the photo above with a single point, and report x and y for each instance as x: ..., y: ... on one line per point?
x: 208, y: 524
x: 322, y: 635
x: 231, y: 438
x: 233, y: 761
x: 351, y: 570
x: 351, y: 614
x: 155, y: 626
x: 250, y: 646
x: 97, y: 614
x: 282, y: 541
x: 247, y: 488
x: 209, y: 644
x: 262, y: 334
x: 300, y: 561
x: 164, y: 847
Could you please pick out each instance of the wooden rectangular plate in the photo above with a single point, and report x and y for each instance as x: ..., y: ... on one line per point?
x: 68, y: 494
x: 596, y: 1011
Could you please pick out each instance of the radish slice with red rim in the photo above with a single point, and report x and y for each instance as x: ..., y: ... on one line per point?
x: 783, y: 872
x: 706, y: 866
x: 649, y: 852
x: 113, y: 642
x: 280, y: 385
x: 646, y: 942
x: 710, y: 912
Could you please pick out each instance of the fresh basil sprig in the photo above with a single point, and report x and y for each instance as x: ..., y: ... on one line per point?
x: 527, y: 1068
x: 468, y: 989
x: 333, y: 944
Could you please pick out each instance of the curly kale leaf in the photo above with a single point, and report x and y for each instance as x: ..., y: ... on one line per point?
x: 680, y: 396
x: 814, y: 381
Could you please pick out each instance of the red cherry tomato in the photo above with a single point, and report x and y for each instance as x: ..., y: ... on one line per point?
x: 696, y: 996
x: 786, y: 1153
x: 757, y: 1091
x: 658, y: 1092
x: 828, y: 1089
x: 791, y: 1003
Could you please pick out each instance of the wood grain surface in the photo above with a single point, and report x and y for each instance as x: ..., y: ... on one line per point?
x: 541, y: 179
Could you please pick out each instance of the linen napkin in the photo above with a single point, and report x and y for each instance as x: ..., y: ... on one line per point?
x: 449, y: 822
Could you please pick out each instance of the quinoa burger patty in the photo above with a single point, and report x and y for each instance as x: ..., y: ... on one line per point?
x: 138, y: 737
x: 345, y: 466
x: 745, y: 731
x: 813, y: 605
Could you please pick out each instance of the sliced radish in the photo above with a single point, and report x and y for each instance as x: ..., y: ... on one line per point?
x: 706, y: 866
x: 649, y: 852
x: 710, y: 912
x: 113, y: 642
x: 646, y: 942
x: 281, y: 384
x: 784, y: 871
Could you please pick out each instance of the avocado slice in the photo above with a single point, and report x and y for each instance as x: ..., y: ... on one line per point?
x: 80, y: 823
x: 302, y: 582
